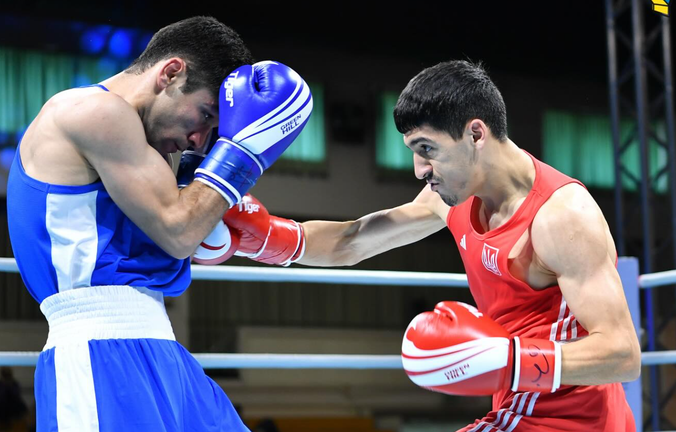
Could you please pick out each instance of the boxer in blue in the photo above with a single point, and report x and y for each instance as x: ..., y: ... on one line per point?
x: 101, y: 232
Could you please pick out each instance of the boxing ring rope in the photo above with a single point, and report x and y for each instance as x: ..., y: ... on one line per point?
x: 356, y: 277
x: 300, y: 361
x: 627, y: 267
x: 329, y: 276
x: 255, y: 361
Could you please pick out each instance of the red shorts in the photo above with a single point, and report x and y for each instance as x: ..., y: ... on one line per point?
x: 572, y: 408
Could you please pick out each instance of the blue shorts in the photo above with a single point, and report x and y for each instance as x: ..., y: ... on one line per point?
x: 119, y: 368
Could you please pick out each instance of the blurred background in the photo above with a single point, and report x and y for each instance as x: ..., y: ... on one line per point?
x: 550, y: 60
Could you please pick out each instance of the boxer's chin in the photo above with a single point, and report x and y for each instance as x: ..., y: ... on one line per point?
x: 449, y: 200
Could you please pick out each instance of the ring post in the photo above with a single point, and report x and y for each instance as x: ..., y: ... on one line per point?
x: 627, y: 267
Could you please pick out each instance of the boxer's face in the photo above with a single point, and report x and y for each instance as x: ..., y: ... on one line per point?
x: 177, y: 121
x: 445, y: 164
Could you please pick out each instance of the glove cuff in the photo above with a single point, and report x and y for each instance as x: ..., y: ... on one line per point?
x: 284, y: 244
x: 231, y: 169
x: 537, y: 365
x: 300, y: 247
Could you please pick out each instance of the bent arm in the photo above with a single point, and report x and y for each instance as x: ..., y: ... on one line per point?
x: 571, y: 237
x: 110, y: 135
x: 347, y: 243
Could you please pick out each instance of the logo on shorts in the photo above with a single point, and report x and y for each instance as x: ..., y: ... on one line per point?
x: 489, y: 257
x: 661, y: 7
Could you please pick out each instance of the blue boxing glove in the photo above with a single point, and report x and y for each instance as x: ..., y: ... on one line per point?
x: 262, y: 109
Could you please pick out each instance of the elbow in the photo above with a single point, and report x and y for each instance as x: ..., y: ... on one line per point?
x: 634, y: 371
x: 182, y: 253
x: 629, y: 355
x: 178, y: 249
x: 176, y: 241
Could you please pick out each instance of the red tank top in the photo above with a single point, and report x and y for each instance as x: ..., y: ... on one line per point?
x: 528, y: 312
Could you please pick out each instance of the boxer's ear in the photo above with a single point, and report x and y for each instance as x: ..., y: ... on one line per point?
x: 478, y: 130
x: 170, y: 72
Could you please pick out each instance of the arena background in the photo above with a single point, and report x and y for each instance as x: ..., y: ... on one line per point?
x: 548, y: 59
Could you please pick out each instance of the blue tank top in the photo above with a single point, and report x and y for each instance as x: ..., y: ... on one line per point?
x: 67, y: 237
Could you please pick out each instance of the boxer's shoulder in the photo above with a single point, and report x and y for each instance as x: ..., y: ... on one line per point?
x: 70, y: 128
x: 568, y: 206
x: 86, y: 115
x: 570, y: 226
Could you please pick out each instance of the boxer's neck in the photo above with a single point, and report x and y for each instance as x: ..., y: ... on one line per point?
x: 507, y: 177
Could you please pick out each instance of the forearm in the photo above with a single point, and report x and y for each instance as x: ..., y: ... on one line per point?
x: 601, y: 359
x: 347, y: 243
x: 189, y: 219
x: 329, y: 244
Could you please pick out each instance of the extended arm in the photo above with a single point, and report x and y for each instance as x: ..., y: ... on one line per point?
x: 571, y: 238
x: 347, y: 243
x: 275, y: 240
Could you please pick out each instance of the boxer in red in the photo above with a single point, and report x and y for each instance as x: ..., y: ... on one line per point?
x: 551, y: 338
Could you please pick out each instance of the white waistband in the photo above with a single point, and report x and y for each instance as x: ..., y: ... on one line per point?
x: 105, y: 312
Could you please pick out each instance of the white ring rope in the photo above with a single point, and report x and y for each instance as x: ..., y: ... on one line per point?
x: 300, y: 361
x: 255, y: 361
x: 657, y: 279
x: 274, y: 274
x: 325, y: 361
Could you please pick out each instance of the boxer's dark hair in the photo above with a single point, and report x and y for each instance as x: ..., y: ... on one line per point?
x: 211, y: 50
x: 447, y: 96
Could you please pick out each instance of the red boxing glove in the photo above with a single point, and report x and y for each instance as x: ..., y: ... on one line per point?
x: 265, y: 238
x: 456, y: 350
x: 218, y: 247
